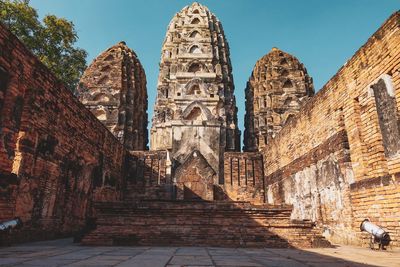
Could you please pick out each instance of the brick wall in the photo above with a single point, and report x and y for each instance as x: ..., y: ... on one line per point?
x: 243, y: 177
x: 337, y: 151
x: 152, y: 175
x: 55, y: 156
x: 194, y: 223
x: 148, y: 176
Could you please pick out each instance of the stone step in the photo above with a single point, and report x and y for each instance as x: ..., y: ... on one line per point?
x: 191, y: 223
x: 191, y: 205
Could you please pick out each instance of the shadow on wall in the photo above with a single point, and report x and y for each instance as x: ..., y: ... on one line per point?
x: 149, y: 175
x: 193, y: 221
x: 146, y: 176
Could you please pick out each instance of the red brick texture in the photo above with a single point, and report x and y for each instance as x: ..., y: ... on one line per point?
x: 337, y: 161
x: 228, y: 224
x: 55, y: 156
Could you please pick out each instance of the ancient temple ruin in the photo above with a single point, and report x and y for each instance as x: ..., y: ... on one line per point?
x: 314, y: 166
x: 113, y: 87
x: 195, y: 106
x: 278, y: 87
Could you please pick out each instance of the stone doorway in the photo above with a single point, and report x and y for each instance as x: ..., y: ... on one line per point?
x: 195, y: 178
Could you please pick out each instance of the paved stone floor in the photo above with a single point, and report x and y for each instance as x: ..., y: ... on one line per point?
x: 64, y: 253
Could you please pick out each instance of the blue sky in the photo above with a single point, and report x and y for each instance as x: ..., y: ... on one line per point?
x: 320, y: 33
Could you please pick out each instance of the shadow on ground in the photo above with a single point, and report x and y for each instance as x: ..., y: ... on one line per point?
x: 63, y: 252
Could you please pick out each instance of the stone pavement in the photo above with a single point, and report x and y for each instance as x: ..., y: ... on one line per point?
x: 63, y: 252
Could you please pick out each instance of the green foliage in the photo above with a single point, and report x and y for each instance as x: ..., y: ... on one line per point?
x: 52, y: 40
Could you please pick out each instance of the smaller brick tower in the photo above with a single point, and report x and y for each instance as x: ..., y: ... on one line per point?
x: 277, y: 88
x: 113, y: 87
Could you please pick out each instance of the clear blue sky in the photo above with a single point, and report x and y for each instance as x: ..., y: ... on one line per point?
x: 320, y: 33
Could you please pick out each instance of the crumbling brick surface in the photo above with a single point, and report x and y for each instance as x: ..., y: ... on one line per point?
x: 200, y: 223
x: 113, y: 87
x: 55, y: 156
x: 195, y: 107
x: 278, y: 87
x: 329, y: 159
x: 336, y: 162
x: 243, y: 177
x: 149, y: 175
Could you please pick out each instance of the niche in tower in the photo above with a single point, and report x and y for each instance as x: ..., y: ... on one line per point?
x: 195, y: 50
x: 195, y: 34
x: 194, y: 67
x: 195, y: 21
x: 194, y: 90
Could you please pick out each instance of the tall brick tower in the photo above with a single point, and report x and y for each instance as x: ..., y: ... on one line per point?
x: 113, y: 87
x: 277, y: 88
x: 195, y: 108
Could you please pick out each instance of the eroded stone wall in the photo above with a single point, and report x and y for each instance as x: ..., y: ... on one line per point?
x: 244, y: 177
x: 336, y: 161
x: 148, y: 176
x: 55, y: 156
x: 152, y: 175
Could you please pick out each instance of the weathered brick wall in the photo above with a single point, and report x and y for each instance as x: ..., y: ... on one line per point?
x: 193, y: 223
x: 379, y: 199
x: 152, y: 175
x: 243, y: 177
x: 148, y: 176
x: 55, y: 156
x: 310, y: 157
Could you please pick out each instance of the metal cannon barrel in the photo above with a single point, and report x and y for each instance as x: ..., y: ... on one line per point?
x: 378, y: 235
x: 373, y: 229
x: 11, y: 224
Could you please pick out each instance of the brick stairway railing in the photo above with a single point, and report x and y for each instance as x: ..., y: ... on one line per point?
x: 188, y: 223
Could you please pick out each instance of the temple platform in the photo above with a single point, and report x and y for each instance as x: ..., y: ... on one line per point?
x: 200, y: 223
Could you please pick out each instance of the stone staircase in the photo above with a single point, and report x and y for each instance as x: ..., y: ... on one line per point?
x: 139, y: 191
x: 200, y: 223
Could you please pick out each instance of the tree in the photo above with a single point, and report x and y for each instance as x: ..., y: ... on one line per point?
x: 52, y: 40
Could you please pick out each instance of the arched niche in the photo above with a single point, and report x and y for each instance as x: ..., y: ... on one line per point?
x: 284, y: 72
x: 195, y: 34
x: 195, y: 49
x: 105, y: 68
x: 194, y: 90
x: 101, y: 97
x: 103, y: 80
x: 195, y: 21
x: 109, y: 57
x: 284, y: 62
x: 195, y: 67
x: 194, y: 85
x: 196, y: 114
x: 288, y: 84
x: 288, y: 118
x: 197, y: 111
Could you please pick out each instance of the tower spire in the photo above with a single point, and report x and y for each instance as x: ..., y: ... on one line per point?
x: 195, y: 106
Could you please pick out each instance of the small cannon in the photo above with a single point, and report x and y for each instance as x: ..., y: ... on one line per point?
x: 378, y: 235
x: 11, y: 224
